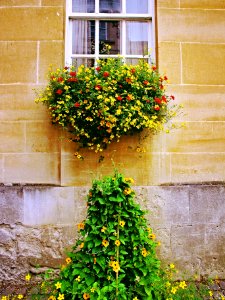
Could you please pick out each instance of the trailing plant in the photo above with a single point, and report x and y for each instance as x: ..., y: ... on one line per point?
x: 100, y: 104
x: 115, y: 254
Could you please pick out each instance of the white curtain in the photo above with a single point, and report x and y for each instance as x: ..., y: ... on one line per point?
x: 137, y: 38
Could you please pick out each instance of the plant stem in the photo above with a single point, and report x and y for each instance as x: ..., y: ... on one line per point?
x: 117, y: 254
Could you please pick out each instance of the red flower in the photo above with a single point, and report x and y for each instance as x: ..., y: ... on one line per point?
x: 164, y: 99
x: 66, y: 68
x: 98, y: 87
x: 128, y: 80
x: 165, y: 78
x: 77, y: 104
x: 145, y: 82
x: 98, y: 69
x: 156, y: 107
x: 133, y: 71
x: 154, y: 68
x: 106, y: 74
x: 72, y: 79
x: 129, y: 97
x: 59, y: 92
x: 73, y: 73
x: 172, y: 97
x: 161, y: 86
x: 60, y: 79
x: 119, y: 98
x: 52, y: 77
x: 158, y: 100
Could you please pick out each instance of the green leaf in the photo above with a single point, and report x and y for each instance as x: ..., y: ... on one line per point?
x: 89, y: 280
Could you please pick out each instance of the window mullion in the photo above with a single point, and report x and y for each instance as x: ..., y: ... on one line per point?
x: 123, y: 38
x: 96, y: 39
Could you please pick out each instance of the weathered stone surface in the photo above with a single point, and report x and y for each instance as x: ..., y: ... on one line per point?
x: 42, y: 223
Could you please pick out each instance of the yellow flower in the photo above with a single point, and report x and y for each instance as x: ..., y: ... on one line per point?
x: 28, y: 277
x: 152, y: 236
x: 172, y: 266
x: 68, y: 260
x: 60, y: 297
x: 127, y: 191
x: 103, y: 229
x: 92, y: 290
x: 173, y: 290
x: 4, y: 297
x: 78, y: 278
x: 117, y: 243
x: 81, y: 245
x: 135, y: 298
x: 58, y: 285
x: 52, y: 298
x: 105, y: 243
x: 168, y: 284
x: 122, y: 223
x: 20, y: 296
x: 144, y: 252
x: 210, y: 293
x: 182, y: 284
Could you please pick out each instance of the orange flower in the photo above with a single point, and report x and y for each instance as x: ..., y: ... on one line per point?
x: 86, y: 296
x: 81, y: 245
x: 81, y: 226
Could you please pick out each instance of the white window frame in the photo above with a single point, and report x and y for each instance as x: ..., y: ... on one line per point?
x: 97, y: 16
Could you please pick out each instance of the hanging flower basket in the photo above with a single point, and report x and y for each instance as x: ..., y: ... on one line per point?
x: 100, y: 104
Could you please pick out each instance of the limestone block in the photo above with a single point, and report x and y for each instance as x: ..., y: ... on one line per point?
x: 204, y: 4
x: 35, y: 23
x: 207, y: 205
x: 203, y: 64
x: 17, y: 103
x: 18, y: 61
x: 51, y: 53
x: 195, y: 137
x: 215, y: 238
x: 1, y: 168
x: 201, y: 103
x: 13, y: 134
x: 49, y: 206
x: 19, y: 3
x: 191, y: 25
x: 181, y: 235
x: 32, y: 168
x: 52, y: 2
x: 11, y: 203
x: 197, y: 167
x: 168, y: 4
x: 169, y: 58
x: 42, y: 137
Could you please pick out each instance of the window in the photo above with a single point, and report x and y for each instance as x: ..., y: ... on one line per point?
x: 127, y: 26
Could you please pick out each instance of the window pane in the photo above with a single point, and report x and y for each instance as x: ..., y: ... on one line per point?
x: 137, y: 6
x: 83, y: 33
x: 134, y: 61
x: 88, y: 62
x: 83, y: 6
x: 109, y: 34
x: 110, y: 6
x: 137, y: 38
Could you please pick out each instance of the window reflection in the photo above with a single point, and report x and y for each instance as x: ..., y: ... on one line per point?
x: 83, y: 6
x: 110, y: 6
x: 109, y: 34
x: 137, y: 6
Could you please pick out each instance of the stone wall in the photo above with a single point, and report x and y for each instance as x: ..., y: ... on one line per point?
x: 39, y: 223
